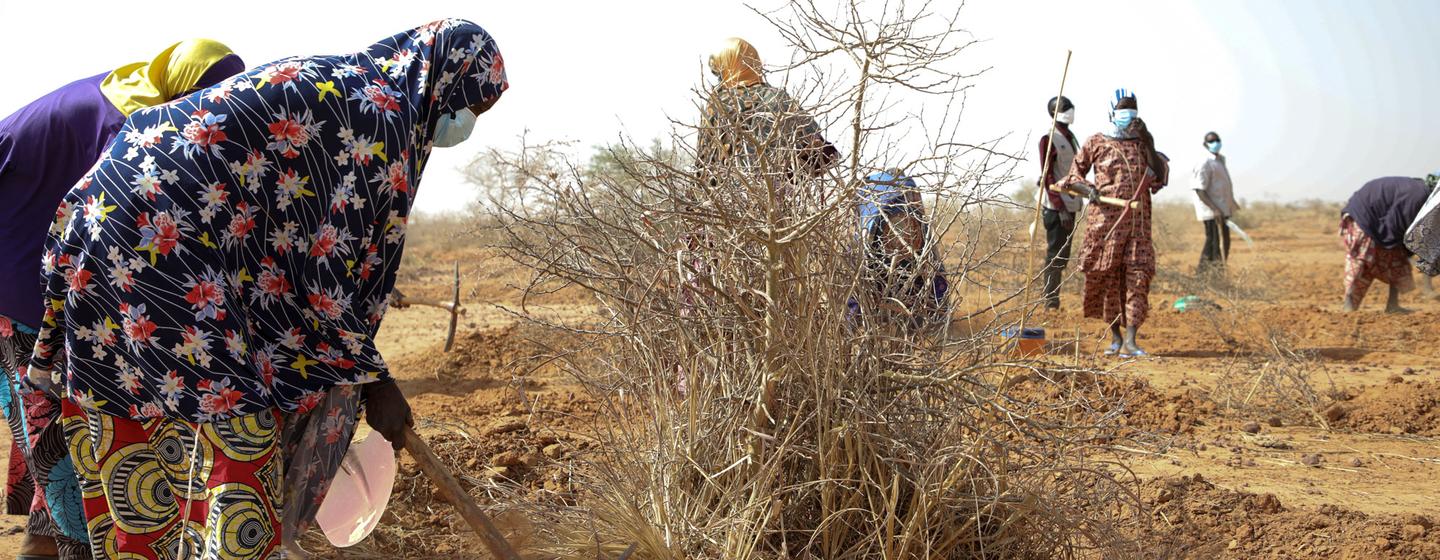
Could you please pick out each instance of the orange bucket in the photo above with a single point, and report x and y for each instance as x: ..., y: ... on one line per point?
x: 1027, y: 342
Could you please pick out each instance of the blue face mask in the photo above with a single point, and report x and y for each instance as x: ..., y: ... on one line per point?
x: 1214, y: 147
x: 454, y: 128
x: 1123, y: 117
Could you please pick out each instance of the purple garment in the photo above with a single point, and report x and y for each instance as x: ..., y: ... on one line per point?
x: 1385, y: 207
x: 45, y: 147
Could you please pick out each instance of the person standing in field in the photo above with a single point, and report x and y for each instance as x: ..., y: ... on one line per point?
x: 751, y: 135
x: 750, y: 126
x: 1373, y: 226
x: 1214, y: 205
x: 1118, y: 257
x: 45, y: 147
x: 1058, y: 208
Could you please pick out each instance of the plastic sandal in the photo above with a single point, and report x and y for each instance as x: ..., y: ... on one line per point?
x: 1113, y: 350
x: 1138, y: 354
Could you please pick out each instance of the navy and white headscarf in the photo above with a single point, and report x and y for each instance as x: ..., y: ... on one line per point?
x: 235, y: 250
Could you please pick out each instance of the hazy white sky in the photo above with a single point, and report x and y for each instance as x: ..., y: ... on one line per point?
x: 1312, y: 97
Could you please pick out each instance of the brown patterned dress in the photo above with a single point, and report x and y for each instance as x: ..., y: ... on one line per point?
x: 1117, y: 257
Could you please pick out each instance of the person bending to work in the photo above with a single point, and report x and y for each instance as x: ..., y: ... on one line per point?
x: 1372, y: 231
x: 905, y: 276
x: 1117, y: 257
x: 222, y: 272
x: 1214, y: 205
x: 1058, y: 208
x: 45, y: 147
x: 1423, y: 239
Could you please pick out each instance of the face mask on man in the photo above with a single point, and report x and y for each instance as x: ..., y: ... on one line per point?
x: 1123, y: 117
x: 1066, y: 117
x: 454, y: 128
x: 1214, y: 147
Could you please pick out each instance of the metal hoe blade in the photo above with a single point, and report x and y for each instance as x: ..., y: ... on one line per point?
x: 454, y: 310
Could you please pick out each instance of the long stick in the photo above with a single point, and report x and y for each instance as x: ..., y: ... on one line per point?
x: 451, y: 490
x: 1106, y: 200
x: 1054, y: 117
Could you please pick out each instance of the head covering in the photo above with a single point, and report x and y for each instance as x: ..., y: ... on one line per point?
x: 1063, y: 103
x: 884, y: 192
x: 1122, y: 96
x: 176, y: 71
x: 737, y: 63
x: 236, y: 249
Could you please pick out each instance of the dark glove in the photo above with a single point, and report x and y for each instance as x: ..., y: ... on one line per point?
x: 1067, y: 219
x: 397, y: 299
x: 387, y: 412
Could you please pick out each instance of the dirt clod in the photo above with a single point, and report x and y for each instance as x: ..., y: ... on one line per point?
x: 507, y: 459
x: 505, y: 426
x: 1250, y: 428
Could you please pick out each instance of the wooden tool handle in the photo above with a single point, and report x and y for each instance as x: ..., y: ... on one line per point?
x: 451, y: 490
x: 1106, y: 200
x: 424, y: 302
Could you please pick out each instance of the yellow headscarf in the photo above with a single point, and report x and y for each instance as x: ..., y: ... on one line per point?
x: 173, y: 72
x: 737, y: 63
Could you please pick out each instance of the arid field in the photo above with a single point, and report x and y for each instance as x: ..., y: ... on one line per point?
x: 1272, y: 427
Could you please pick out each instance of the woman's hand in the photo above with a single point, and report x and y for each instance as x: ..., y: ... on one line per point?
x: 387, y: 411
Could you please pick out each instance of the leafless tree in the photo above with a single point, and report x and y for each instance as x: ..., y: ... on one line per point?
x: 765, y: 399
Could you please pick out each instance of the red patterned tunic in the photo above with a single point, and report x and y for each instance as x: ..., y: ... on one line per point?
x: 1117, y: 257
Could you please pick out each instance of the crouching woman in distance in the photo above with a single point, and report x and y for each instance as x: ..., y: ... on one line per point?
x: 217, y: 280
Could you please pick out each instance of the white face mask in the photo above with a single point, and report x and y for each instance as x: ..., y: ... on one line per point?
x: 454, y: 128
x: 1066, y: 117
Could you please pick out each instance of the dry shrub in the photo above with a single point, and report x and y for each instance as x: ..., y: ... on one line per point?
x: 747, y: 413
x: 1265, y: 375
x: 1172, y: 222
x: 1279, y: 382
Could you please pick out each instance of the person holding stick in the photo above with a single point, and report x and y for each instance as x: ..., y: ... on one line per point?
x: 1058, y: 208
x: 1117, y: 256
x: 214, y: 285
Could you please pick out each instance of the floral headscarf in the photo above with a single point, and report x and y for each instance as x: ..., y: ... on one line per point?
x: 235, y: 250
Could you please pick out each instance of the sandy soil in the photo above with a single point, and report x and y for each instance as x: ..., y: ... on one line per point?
x: 1220, y: 482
